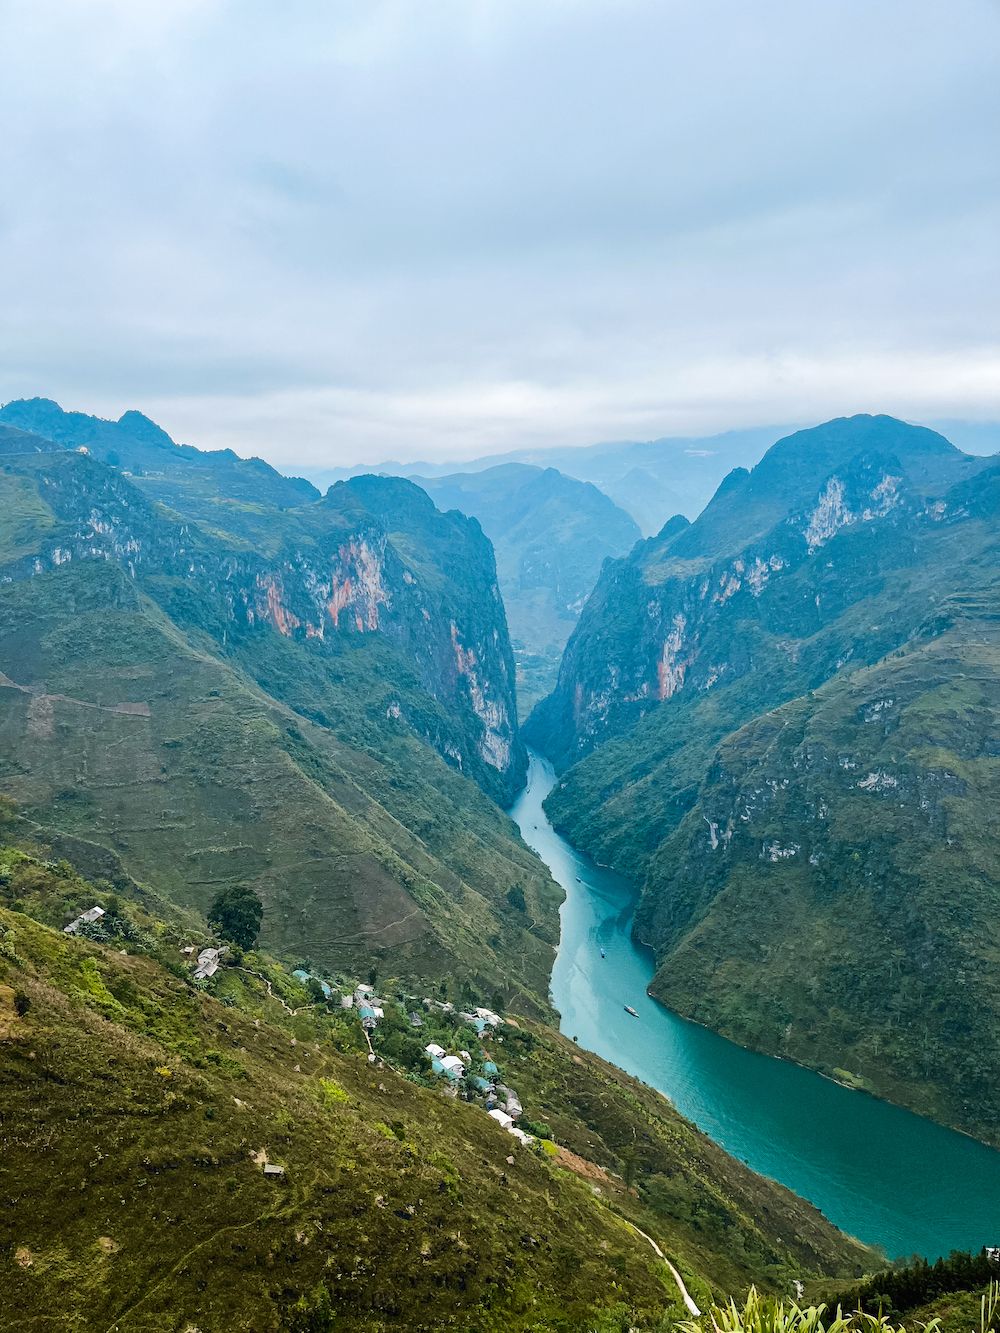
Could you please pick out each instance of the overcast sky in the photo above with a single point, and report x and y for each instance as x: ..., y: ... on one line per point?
x: 332, y: 231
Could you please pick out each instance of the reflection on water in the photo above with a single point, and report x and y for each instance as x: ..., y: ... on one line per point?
x: 881, y: 1173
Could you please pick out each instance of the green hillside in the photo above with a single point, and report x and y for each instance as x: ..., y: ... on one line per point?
x: 184, y: 696
x: 833, y: 894
x: 137, y: 1111
x: 847, y: 545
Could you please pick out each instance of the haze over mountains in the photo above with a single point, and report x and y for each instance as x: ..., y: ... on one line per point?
x: 654, y: 479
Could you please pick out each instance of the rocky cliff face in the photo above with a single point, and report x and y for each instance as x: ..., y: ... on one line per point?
x: 324, y: 577
x: 551, y: 534
x: 786, y: 713
x: 303, y: 701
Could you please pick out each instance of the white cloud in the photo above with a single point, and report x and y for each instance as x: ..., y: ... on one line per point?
x: 397, y: 229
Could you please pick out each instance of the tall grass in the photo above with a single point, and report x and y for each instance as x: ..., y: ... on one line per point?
x: 768, y: 1314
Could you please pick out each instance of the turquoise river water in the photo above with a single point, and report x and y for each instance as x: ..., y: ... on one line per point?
x: 880, y: 1173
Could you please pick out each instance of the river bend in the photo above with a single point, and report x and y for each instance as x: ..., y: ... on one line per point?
x: 879, y: 1172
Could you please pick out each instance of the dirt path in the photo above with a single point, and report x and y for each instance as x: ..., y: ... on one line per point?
x: 677, y: 1277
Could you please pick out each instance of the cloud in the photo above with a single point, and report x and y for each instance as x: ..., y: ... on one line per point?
x: 326, y: 233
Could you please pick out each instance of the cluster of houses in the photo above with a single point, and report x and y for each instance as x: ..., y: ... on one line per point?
x: 369, y: 1007
x: 502, y: 1103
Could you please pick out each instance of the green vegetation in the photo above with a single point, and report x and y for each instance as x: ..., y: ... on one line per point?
x: 845, y: 914
x: 792, y: 710
x: 909, y: 1287
x: 138, y: 1111
x: 763, y: 1314
x: 236, y: 914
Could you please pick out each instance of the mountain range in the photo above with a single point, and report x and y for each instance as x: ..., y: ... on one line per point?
x: 212, y: 676
x: 782, y: 719
x: 317, y: 702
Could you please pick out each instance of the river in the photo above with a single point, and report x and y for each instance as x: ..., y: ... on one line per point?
x: 880, y: 1173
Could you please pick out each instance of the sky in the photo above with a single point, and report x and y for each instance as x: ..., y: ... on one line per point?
x: 330, y: 233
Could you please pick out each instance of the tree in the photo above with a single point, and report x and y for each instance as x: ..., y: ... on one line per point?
x: 515, y: 897
x: 236, y: 915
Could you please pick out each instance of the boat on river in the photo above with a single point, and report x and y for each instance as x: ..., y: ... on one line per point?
x: 630, y: 1010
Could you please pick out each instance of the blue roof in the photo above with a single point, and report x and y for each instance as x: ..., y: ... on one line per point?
x: 366, y: 1011
x: 490, y: 1067
x: 439, y: 1068
x: 479, y: 1024
x: 481, y: 1084
x: 303, y: 976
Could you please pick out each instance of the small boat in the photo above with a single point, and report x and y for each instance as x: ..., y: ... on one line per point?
x: 630, y: 1010
x: 602, y: 953
x: 579, y: 880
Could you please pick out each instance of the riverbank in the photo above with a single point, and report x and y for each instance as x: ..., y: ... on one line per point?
x: 879, y: 1172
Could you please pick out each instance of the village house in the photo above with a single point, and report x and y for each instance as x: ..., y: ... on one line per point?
x: 208, y: 963
x: 92, y: 914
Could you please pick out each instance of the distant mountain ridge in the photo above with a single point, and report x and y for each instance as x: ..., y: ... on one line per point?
x: 650, y: 479
x: 551, y: 534
x: 139, y: 446
x: 687, y: 727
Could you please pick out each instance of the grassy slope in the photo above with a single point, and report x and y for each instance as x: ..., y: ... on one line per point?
x: 219, y: 782
x: 850, y: 920
x: 132, y: 1106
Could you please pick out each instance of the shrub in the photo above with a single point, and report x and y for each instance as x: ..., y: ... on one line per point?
x: 768, y: 1314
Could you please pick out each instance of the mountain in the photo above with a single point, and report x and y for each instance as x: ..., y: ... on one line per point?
x: 649, y: 479
x: 139, y: 1109
x: 838, y: 583
x: 302, y: 701
x: 551, y: 534
x: 190, y: 480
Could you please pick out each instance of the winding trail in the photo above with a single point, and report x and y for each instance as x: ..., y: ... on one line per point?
x: 677, y: 1277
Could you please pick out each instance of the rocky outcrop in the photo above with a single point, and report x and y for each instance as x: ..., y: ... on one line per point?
x: 752, y: 585
x: 329, y: 576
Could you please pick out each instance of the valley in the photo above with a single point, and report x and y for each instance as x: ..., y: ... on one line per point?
x: 779, y: 721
